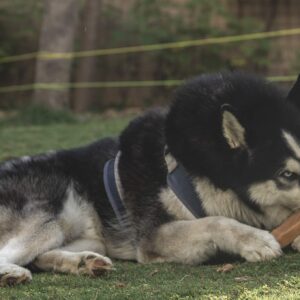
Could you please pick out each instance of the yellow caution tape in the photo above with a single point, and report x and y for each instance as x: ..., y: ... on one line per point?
x: 112, y: 84
x: 153, y: 47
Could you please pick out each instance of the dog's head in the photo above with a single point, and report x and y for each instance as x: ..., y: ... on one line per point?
x: 241, y: 133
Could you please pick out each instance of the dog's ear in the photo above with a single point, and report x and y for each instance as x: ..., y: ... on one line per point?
x: 294, y: 93
x: 233, y: 130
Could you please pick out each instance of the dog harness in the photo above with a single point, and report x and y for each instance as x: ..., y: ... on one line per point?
x: 113, y: 188
x: 178, y: 180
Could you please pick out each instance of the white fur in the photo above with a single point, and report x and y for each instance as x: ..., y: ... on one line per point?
x: 194, y: 241
x: 77, y: 227
x: 83, y: 262
x: 292, y: 143
x: 217, y: 202
x: 276, y: 204
x: 269, y: 196
x: 32, y: 236
x: 233, y: 131
x: 292, y: 165
x: 117, y: 176
x: 174, y: 206
x: 11, y: 274
x: 11, y: 251
x: 79, y: 219
x: 25, y: 158
x: 171, y: 162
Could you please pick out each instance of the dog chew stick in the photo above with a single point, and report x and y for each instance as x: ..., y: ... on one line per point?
x: 287, y: 231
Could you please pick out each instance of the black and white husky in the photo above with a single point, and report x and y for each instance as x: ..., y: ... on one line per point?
x: 214, y: 172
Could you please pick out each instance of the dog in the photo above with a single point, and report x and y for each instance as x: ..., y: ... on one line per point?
x: 214, y: 172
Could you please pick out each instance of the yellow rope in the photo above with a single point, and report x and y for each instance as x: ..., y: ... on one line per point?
x: 153, y: 47
x: 112, y: 84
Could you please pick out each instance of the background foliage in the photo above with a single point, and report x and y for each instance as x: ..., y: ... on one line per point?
x: 136, y: 22
x: 19, y: 33
x: 159, y: 21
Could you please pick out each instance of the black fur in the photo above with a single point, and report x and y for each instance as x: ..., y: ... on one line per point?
x: 143, y: 170
x: 44, y: 179
x: 294, y: 93
x: 192, y: 131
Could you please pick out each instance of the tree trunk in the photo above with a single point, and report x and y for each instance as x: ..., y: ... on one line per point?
x: 86, y: 69
x: 57, y: 35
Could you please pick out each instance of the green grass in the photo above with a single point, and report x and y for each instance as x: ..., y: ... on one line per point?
x: 33, y: 139
x: 279, y: 279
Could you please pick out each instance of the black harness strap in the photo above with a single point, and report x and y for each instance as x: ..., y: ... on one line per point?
x: 180, y: 183
x: 113, y: 195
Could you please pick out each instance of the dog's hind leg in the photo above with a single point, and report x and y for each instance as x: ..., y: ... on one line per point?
x: 195, y: 241
x: 22, y: 246
x: 82, y: 256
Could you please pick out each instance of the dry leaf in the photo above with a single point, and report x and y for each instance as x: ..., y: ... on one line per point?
x: 225, y: 268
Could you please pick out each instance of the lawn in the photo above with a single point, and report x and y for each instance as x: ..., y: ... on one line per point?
x: 279, y: 279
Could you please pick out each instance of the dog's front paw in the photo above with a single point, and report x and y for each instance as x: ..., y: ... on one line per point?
x: 259, y: 245
x: 296, y: 243
x: 94, y: 264
x: 11, y: 275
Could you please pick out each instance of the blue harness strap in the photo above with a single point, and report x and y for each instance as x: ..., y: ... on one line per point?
x: 178, y: 181
x: 181, y: 184
x: 109, y: 179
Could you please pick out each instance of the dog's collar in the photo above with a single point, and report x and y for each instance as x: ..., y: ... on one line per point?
x: 113, y: 188
x: 180, y: 182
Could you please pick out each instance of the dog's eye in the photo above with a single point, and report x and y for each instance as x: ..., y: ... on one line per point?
x: 288, y: 175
